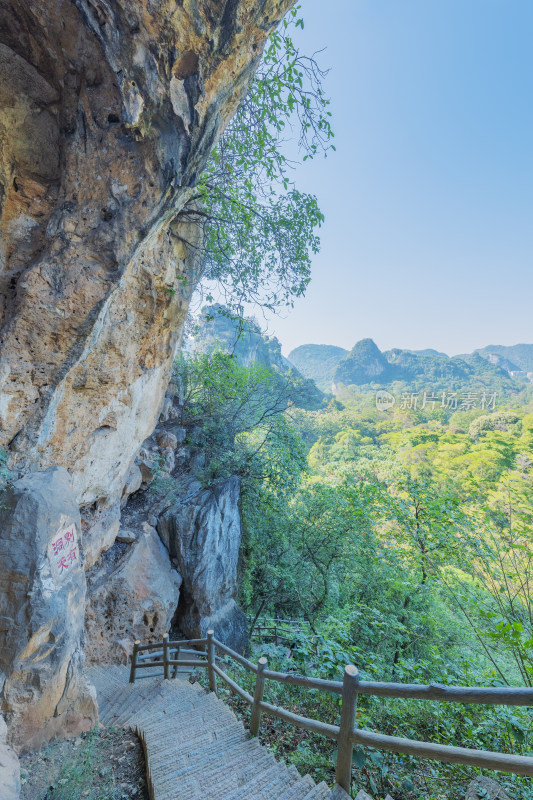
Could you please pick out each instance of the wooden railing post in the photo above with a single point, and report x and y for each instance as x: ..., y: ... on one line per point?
x: 165, y: 656
x: 134, y: 660
x: 177, y: 659
x: 255, y: 719
x: 275, y: 634
x: 343, y: 774
x: 211, y: 662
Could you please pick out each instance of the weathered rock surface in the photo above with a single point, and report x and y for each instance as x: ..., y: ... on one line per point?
x: 108, y: 113
x: 483, y: 788
x: 100, y: 530
x: 167, y: 439
x: 202, y: 532
x: 42, y: 603
x: 133, y: 483
x: 9, y: 767
x: 133, y: 598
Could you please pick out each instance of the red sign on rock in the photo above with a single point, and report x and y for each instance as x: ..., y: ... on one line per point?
x: 63, y: 552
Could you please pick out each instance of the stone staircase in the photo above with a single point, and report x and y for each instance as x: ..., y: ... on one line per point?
x: 195, y: 747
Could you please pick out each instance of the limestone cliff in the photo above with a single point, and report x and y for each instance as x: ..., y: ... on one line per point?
x: 108, y: 112
x: 218, y: 329
x: 174, y: 560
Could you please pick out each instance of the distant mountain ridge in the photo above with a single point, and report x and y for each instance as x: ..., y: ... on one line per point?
x: 318, y: 362
x: 519, y: 356
x: 366, y: 364
x: 217, y: 329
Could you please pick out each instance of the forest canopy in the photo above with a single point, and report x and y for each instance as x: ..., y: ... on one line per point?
x: 403, y: 542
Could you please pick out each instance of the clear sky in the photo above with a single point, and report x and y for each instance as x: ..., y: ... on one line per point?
x: 428, y: 240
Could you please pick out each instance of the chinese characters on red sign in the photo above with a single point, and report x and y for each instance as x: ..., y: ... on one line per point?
x: 63, y: 551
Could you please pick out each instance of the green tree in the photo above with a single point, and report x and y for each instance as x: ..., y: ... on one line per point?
x: 258, y: 228
x: 236, y: 416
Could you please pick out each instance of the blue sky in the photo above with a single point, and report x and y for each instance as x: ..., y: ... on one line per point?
x: 428, y: 240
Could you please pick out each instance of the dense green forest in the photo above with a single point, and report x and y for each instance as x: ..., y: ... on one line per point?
x: 403, y: 539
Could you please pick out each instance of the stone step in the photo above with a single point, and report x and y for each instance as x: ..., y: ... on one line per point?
x: 189, y: 722
x: 195, y: 747
x: 319, y: 792
x: 160, y: 754
x: 235, y: 759
x: 298, y: 790
x: 274, y: 787
x: 338, y: 793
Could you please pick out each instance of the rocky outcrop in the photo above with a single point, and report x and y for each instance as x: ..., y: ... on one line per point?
x: 42, y: 605
x: 9, y: 767
x: 108, y: 113
x: 134, y: 598
x: 100, y: 529
x: 219, y: 329
x: 202, y: 533
x: 134, y: 588
x: 363, y: 364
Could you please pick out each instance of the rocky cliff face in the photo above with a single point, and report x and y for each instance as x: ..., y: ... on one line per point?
x: 134, y: 594
x: 42, y: 601
x: 182, y: 575
x: 202, y: 532
x: 108, y: 112
x: 219, y: 329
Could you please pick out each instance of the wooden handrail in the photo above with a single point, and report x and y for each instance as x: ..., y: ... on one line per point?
x: 293, y: 622
x: 211, y: 662
x: 303, y: 680
x: 136, y: 645
x: 346, y: 734
x: 314, y: 725
x: 171, y: 644
x: 343, y: 772
x: 165, y: 657
x: 520, y: 765
x: 184, y: 662
x: 187, y: 650
x: 170, y: 651
x: 280, y: 629
x: 189, y: 641
x: 236, y: 656
x: 481, y: 695
x: 235, y: 686
x: 173, y: 662
x: 255, y: 719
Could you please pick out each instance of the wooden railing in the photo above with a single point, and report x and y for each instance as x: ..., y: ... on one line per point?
x: 346, y: 734
x: 143, y: 656
x: 281, y: 631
